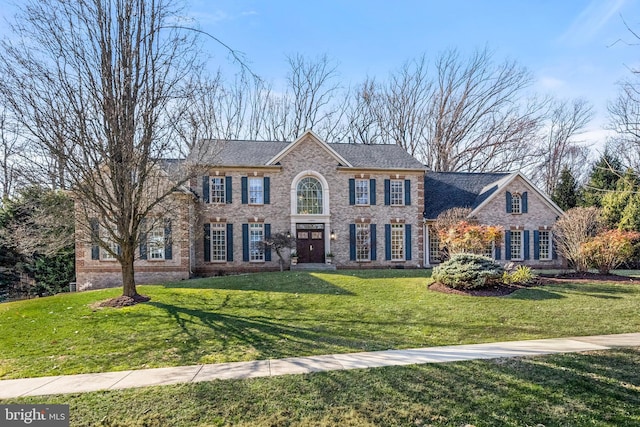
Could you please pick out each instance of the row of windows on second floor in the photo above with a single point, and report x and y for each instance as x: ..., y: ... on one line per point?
x: 310, y: 192
x: 155, y: 241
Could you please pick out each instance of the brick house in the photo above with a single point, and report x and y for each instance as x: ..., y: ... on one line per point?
x: 507, y: 200
x: 370, y: 206
x: 361, y: 203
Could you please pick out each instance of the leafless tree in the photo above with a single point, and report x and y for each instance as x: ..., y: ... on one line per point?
x: 574, y: 228
x: 624, y: 120
x: 10, y: 148
x: 479, y: 117
x: 560, y: 147
x: 114, y: 68
x: 362, y: 124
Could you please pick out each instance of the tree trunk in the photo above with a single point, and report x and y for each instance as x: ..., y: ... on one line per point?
x: 128, y: 279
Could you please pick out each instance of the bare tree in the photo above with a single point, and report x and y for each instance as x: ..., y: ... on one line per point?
x: 10, y: 147
x: 624, y: 120
x: 560, y: 149
x: 114, y: 68
x: 362, y: 124
x: 572, y: 230
x: 479, y: 118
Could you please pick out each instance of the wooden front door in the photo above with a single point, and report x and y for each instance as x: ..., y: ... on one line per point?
x: 310, y: 243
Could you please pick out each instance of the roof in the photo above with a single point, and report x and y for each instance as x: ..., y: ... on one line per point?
x: 260, y: 153
x: 446, y: 190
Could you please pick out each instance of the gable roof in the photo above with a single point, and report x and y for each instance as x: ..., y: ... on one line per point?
x: 341, y: 160
x: 246, y: 153
x: 446, y: 190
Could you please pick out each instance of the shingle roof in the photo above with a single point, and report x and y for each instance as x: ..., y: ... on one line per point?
x: 446, y: 190
x: 258, y: 153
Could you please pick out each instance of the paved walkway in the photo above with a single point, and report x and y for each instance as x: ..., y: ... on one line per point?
x: 302, y: 365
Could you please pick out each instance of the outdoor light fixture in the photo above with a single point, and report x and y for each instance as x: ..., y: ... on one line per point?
x: 333, y: 235
x: 288, y: 234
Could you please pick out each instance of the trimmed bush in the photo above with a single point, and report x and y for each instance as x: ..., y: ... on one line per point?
x: 468, y: 271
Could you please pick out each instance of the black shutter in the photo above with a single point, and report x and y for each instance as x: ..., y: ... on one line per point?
x: 526, y: 244
x: 207, y: 243
x: 536, y: 244
x: 245, y: 242
x: 407, y: 192
x: 168, y: 241
x: 525, y: 203
x: 267, y: 235
x: 407, y: 238
x: 228, y: 189
x: 245, y: 190
x: 372, y: 236
x: 507, y: 244
x: 352, y: 191
x: 206, y: 185
x: 229, y: 242
x: 387, y: 242
x: 387, y: 192
x: 372, y: 191
x: 352, y: 242
x: 267, y: 190
x: 509, y: 204
x: 95, y: 235
x: 143, y: 238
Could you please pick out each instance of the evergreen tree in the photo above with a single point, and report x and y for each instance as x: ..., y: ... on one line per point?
x: 565, y: 194
x: 621, y: 208
x: 604, y: 176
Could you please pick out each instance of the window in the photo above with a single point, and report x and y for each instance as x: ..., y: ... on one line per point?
x: 434, y: 246
x: 363, y: 242
x: 256, y: 191
x: 115, y: 248
x: 516, y: 204
x: 397, y: 242
x: 488, y: 250
x: 516, y: 245
x: 545, y: 245
x: 362, y: 191
x: 256, y: 236
x: 309, y: 195
x: 217, y: 190
x: 218, y: 242
x: 396, y: 192
x: 155, y: 243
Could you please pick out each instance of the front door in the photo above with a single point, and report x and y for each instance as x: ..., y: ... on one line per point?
x: 310, y: 243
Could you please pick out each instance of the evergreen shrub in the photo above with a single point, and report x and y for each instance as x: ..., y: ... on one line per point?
x: 468, y: 271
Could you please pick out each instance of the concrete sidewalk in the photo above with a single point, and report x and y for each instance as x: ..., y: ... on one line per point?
x: 302, y: 365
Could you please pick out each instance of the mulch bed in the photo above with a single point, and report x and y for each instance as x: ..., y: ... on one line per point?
x: 503, y: 290
x: 124, y: 301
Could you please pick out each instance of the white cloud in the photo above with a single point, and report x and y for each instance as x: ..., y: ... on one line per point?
x: 550, y: 83
x: 591, y: 20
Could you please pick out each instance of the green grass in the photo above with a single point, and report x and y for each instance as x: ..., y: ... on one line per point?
x: 274, y: 315
x: 599, y: 389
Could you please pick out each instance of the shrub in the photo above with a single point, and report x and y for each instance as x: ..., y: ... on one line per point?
x: 521, y: 275
x: 609, y: 249
x: 466, y: 237
x: 468, y: 271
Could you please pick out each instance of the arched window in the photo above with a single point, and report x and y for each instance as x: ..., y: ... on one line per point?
x: 516, y: 204
x: 309, y: 195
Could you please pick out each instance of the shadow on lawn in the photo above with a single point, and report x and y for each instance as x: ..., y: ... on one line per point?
x: 288, y: 282
x: 268, y: 337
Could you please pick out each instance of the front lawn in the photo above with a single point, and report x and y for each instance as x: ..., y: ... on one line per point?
x: 275, y: 315
x: 595, y: 389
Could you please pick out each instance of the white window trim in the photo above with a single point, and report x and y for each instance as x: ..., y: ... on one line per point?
x: 223, y: 228
x: 368, y: 190
x: 521, y: 255
x: 367, y: 227
x: 256, y: 178
x: 261, y: 252
x: 400, y: 199
x: 151, y: 246
x: 518, y: 197
x: 403, y: 230
x: 550, y: 243
x: 224, y: 190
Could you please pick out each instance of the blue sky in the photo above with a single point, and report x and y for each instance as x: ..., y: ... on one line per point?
x: 574, y: 48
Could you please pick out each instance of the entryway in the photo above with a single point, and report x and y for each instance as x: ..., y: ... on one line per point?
x: 310, y: 243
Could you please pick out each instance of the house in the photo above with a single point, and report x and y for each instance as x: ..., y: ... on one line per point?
x: 361, y: 203
x: 507, y: 200
x: 370, y: 206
